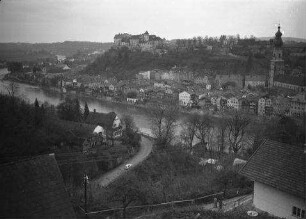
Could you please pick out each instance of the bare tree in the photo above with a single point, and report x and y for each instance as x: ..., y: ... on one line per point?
x: 237, y: 124
x: 126, y: 191
x: 12, y: 88
x: 221, y: 129
x: 163, y: 123
x: 189, y: 129
x: 204, y: 129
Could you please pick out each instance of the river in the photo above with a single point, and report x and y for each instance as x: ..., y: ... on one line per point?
x: 30, y: 93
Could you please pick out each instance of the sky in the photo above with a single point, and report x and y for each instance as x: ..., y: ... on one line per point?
x: 37, y: 21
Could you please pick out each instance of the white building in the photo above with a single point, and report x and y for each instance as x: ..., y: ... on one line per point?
x: 132, y: 100
x: 184, y: 98
x: 145, y: 75
x: 278, y: 172
x: 161, y: 85
x: 233, y: 103
x: 263, y: 105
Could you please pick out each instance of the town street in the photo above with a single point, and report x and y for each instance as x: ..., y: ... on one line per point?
x: 145, y: 149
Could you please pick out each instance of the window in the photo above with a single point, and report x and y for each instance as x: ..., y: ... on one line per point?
x: 297, y: 212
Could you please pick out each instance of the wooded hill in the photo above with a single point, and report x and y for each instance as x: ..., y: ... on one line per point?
x: 124, y: 63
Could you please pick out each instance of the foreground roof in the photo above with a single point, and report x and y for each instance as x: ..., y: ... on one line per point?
x: 33, y: 188
x: 105, y: 120
x: 279, y: 165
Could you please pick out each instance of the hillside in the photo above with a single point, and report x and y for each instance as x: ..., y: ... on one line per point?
x: 38, y: 51
x: 124, y: 63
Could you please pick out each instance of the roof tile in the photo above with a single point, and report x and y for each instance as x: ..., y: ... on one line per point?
x: 279, y: 165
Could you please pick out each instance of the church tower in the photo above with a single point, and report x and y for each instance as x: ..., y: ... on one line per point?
x: 277, y: 62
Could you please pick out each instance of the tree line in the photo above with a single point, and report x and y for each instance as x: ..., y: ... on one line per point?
x: 231, y: 130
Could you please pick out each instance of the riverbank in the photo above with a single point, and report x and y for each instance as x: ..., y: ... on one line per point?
x: 146, y: 107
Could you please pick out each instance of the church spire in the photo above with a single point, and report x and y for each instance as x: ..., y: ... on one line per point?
x: 278, y: 42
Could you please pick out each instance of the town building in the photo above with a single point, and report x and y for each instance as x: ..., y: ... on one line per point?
x: 278, y: 172
x: 184, y: 98
x: 201, y: 80
x: 296, y: 83
x: 277, y: 62
x: 281, y: 105
x: 181, y: 74
x: 253, y: 105
x: 131, y: 100
x: 255, y: 80
x: 145, y: 75
x: 244, y: 105
x: 161, y: 85
x: 221, y: 103
x: 233, y: 103
x: 298, y: 105
x: 265, y: 106
x: 110, y: 123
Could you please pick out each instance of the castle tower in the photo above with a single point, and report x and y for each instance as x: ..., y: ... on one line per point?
x: 277, y: 62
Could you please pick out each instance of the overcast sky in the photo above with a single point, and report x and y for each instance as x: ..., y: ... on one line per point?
x: 99, y: 20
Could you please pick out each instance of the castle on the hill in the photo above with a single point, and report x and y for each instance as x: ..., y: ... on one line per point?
x: 143, y: 41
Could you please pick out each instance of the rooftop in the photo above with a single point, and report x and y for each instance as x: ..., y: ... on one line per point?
x: 33, y: 188
x: 105, y: 120
x: 279, y: 165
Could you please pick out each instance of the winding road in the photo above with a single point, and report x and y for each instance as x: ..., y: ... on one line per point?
x: 146, y: 146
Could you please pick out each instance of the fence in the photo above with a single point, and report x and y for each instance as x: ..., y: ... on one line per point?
x: 178, y: 203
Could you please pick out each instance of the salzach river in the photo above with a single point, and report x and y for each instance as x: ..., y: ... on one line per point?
x: 30, y: 93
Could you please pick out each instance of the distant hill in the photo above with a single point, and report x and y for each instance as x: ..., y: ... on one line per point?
x: 32, y: 52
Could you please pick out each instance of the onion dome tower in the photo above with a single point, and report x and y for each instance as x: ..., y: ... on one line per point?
x: 277, y: 62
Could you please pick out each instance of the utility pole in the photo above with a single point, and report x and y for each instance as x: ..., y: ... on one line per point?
x: 85, y: 192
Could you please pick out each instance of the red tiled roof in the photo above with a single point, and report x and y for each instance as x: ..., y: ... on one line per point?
x: 33, y: 188
x: 279, y: 165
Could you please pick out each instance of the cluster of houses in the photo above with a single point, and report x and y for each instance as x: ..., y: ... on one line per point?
x: 108, y: 128
x: 248, y: 103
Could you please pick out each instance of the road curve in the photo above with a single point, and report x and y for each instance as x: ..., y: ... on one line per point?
x: 146, y: 146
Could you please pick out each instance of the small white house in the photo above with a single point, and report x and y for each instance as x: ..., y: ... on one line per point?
x: 145, y: 75
x: 233, y: 103
x: 278, y: 172
x: 132, y: 100
x: 184, y: 98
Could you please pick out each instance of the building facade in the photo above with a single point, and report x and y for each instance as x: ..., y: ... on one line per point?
x: 184, y: 98
x: 298, y: 105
